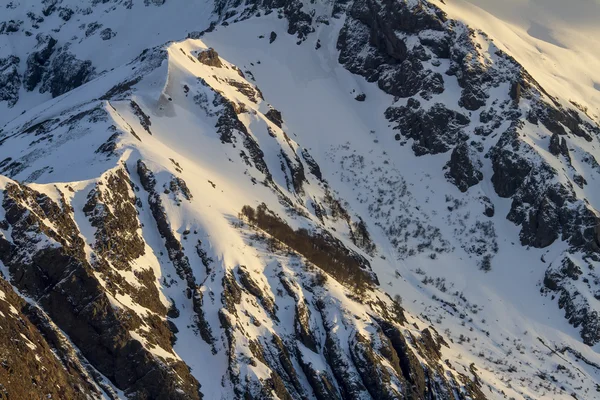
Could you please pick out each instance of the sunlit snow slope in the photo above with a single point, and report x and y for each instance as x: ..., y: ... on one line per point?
x: 557, y: 41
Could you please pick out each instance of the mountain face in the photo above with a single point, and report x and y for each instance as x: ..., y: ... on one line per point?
x: 289, y: 199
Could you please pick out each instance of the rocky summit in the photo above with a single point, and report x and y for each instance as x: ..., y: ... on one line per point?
x: 298, y: 200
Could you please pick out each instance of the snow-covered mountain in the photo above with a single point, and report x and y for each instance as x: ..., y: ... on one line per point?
x: 290, y: 199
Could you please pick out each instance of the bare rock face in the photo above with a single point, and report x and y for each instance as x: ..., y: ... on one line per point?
x: 558, y: 146
x: 211, y: 58
x: 510, y: 167
x: 50, y: 266
x: 433, y: 131
x: 464, y: 167
x: 65, y: 73
x: 375, y: 25
x: 38, y: 62
x: 30, y: 368
x: 562, y: 279
x: 546, y: 209
x: 10, y: 80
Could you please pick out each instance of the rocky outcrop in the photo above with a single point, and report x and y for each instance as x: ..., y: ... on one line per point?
x: 175, y: 250
x: 65, y: 72
x: 275, y: 117
x: 376, y: 26
x: 29, y: 366
x: 433, y: 131
x: 563, y: 279
x: 464, y: 167
x: 48, y: 264
x: 299, y: 17
x: 11, y: 26
x: 10, y: 80
x: 38, y: 61
x: 558, y: 146
x: 510, y: 167
x: 545, y: 208
x: 251, y: 286
x: 211, y: 58
x: 111, y: 209
x: 144, y: 119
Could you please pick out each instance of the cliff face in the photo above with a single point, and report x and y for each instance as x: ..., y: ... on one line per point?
x: 300, y: 200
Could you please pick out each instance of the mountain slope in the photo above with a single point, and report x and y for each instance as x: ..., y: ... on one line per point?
x: 231, y: 215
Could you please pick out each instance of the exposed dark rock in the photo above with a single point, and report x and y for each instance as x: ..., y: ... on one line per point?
x: 30, y: 367
x: 232, y: 293
x: 381, y: 382
x: 473, y: 76
x: 63, y: 283
x: 65, y: 13
x: 558, y: 146
x: 407, y: 361
x: 111, y: 210
x: 142, y: 116
x: 251, y: 92
x: 464, y: 167
x: 560, y: 278
x: 178, y: 187
x: 8, y: 27
x: 555, y: 213
x: 560, y: 121
x: 321, y: 382
x: 546, y: 209
x: 173, y: 311
x: 175, y: 250
x: 489, y: 207
x: 433, y: 131
x: 65, y: 73
x: 91, y: 28
x: 313, y: 167
x: 579, y: 180
x: 251, y: 286
x: 228, y: 122
x: 296, y: 168
x: 110, y: 145
x: 349, y: 381
x: 303, y: 328
x: 275, y: 117
x: 375, y: 26
x: 38, y: 61
x: 107, y: 34
x: 211, y: 58
x: 10, y: 80
x: 510, y: 167
x: 120, y: 89
x: 257, y: 156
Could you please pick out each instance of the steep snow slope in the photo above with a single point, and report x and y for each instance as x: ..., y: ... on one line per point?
x: 360, y: 153
x: 147, y: 168
x: 237, y: 328
x: 556, y: 41
x: 106, y: 34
